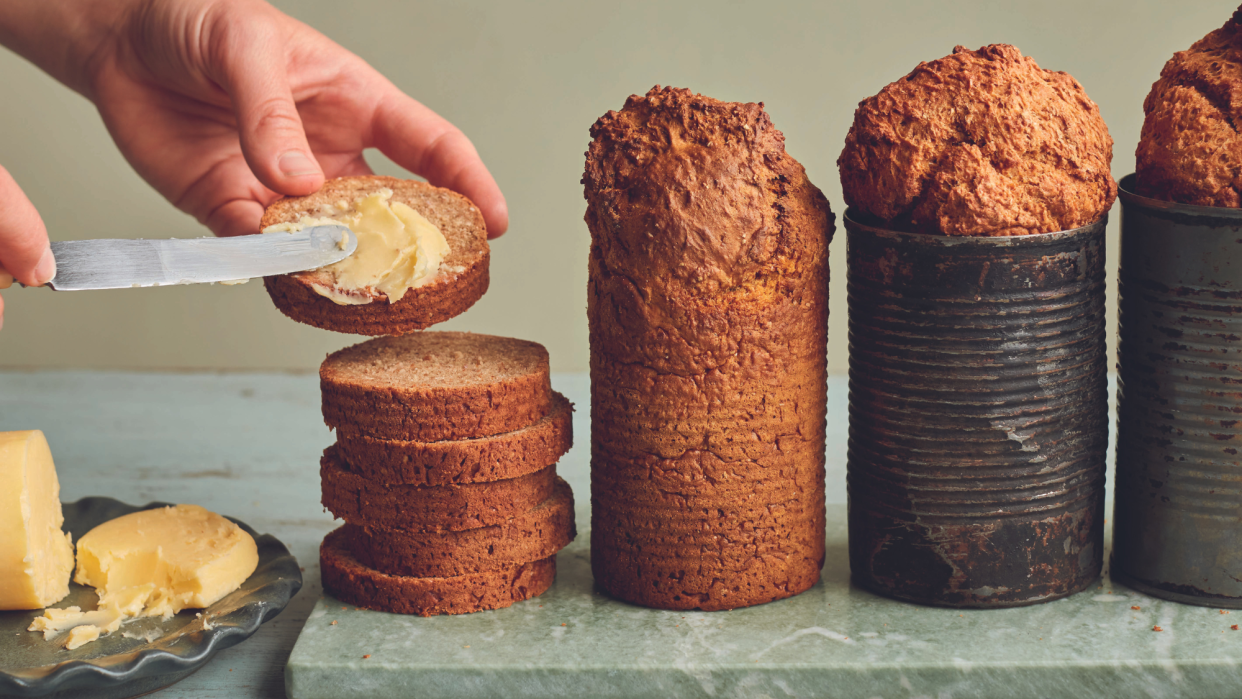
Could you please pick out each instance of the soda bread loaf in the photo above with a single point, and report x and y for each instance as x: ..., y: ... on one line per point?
x: 979, y: 143
x: 529, y: 536
x: 358, y: 500
x: 461, y: 280
x: 477, y: 460
x: 351, y: 582
x: 1190, y: 150
x: 435, y: 386
x: 708, y: 307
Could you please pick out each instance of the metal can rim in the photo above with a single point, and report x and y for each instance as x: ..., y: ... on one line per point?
x: 1126, y: 192
x: 852, y: 223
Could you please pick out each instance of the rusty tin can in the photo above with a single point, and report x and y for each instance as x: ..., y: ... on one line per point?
x: 1177, y: 525
x: 978, y: 414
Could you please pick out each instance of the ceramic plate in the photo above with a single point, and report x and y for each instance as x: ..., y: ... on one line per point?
x: 145, y: 654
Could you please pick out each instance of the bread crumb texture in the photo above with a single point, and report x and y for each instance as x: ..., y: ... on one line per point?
x: 707, y: 307
x: 979, y: 143
x: 436, y: 386
x: 1190, y: 150
x: 350, y: 581
x: 527, y: 536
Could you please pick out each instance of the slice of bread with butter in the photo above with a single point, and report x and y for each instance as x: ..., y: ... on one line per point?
x: 422, y: 256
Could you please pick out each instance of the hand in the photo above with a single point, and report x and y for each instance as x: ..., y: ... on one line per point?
x: 24, y: 252
x: 223, y: 104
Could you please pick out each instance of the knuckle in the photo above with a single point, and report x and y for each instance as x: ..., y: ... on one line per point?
x: 276, y: 114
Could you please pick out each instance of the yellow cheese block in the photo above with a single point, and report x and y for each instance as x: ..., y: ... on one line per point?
x: 36, y: 556
x: 153, y: 563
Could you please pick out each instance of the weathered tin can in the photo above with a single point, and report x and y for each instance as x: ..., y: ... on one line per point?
x: 978, y: 414
x: 1177, y: 525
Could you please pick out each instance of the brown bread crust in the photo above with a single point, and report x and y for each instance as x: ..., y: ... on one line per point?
x: 463, y: 276
x: 483, y: 459
x: 1190, y: 150
x: 360, y: 501
x: 353, y: 583
x: 707, y: 305
x: 526, y: 537
x: 979, y: 143
x: 389, y: 388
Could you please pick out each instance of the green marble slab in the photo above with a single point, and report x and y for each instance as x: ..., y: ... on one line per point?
x: 833, y: 641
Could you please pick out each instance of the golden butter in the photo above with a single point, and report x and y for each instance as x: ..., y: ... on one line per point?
x: 398, y: 250
x: 153, y: 563
x: 36, y: 556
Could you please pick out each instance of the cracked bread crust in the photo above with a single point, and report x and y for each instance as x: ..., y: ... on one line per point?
x: 1190, y: 150
x: 361, y: 501
x: 462, y: 280
x: 525, y: 537
x: 979, y: 143
x: 475, y: 460
x: 353, y: 583
x: 435, y: 386
x: 707, y: 306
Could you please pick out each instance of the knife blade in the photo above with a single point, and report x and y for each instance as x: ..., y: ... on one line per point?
x: 124, y: 263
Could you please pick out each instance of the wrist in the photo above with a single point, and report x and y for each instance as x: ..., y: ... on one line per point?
x: 63, y: 37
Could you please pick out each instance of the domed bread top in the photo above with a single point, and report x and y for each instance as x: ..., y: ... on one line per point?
x: 700, y: 223
x: 435, y: 386
x: 981, y: 143
x: 1190, y: 150
x: 459, y: 281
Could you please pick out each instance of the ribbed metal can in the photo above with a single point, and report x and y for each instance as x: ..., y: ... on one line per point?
x: 978, y: 414
x: 1177, y: 525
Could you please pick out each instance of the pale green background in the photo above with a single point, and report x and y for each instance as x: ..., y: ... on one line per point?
x: 525, y: 81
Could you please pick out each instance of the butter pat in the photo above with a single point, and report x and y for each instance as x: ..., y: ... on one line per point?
x: 153, y: 563
x: 398, y: 250
x: 36, y: 557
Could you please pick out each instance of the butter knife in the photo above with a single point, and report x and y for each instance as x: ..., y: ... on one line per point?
x: 123, y: 264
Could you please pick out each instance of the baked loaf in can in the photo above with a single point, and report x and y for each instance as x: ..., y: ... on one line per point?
x: 979, y: 143
x: 1190, y: 150
x: 708, y: 307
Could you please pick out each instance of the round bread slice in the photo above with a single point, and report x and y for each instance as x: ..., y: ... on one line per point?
x: 435, y: 386
x: 353, y: 583
x: 478, y: 460
x: 461, y: 280
x: 530, y: 536
x: 360, y: 501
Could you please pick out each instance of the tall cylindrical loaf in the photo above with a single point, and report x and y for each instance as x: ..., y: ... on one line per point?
x: 708, y: 309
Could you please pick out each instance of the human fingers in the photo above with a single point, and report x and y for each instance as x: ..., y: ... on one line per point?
x: 423, y: 142
x: 248, y: 59
x: 241, y: 214
x: 24, y: 249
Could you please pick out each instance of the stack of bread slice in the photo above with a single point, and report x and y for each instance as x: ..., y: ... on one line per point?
x: 444, y: 471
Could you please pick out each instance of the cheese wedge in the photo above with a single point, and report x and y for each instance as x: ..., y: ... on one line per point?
x: 153, y: 563
x: 36, y: 556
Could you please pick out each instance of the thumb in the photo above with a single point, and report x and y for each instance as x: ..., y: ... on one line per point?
x: 253, y: 71
x: 24, y: 250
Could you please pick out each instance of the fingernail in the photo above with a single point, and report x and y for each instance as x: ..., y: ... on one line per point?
x: 46, y: 269
x: 296, y: 164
